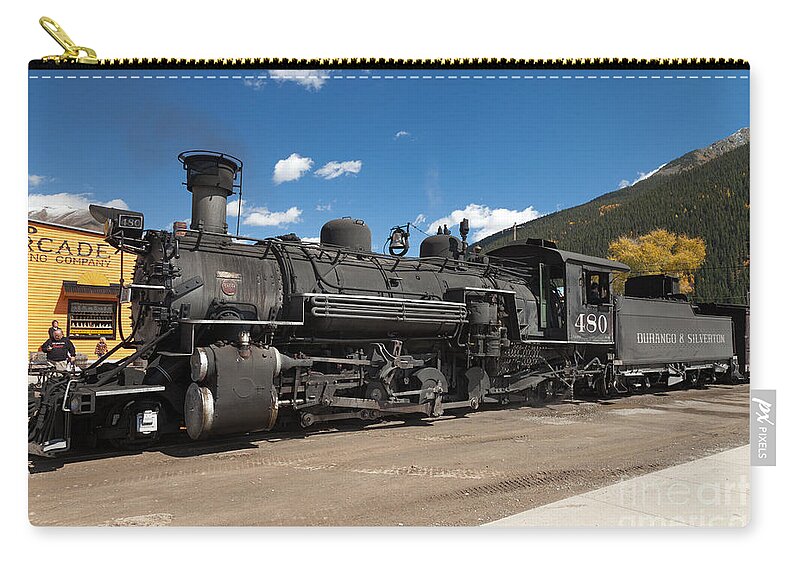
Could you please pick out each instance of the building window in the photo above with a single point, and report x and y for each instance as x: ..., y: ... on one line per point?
x: 92, y: 319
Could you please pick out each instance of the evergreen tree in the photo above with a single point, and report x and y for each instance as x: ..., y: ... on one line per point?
x: 710, y: 201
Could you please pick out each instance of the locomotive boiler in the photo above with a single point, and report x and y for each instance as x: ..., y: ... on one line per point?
x: 237, y: 332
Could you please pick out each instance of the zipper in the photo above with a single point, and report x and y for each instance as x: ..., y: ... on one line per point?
x: 79, y: 57
x: 72, y: 52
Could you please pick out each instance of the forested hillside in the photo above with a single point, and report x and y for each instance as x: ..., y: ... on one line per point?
x: 710, y: 200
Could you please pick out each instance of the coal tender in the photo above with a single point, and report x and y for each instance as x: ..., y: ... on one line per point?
x: 232, y: 333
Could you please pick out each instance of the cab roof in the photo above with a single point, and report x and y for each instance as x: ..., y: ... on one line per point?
x: 534, y: 251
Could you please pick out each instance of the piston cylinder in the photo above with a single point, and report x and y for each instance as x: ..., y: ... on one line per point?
x: 229, y: 393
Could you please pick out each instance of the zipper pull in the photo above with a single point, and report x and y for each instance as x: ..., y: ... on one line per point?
x: 72, y: 53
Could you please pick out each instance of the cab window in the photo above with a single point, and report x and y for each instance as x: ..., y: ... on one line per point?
x: 552, y: 310
x: 596, y: 288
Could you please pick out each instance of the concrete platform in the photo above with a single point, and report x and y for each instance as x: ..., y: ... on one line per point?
x: 709, y: 492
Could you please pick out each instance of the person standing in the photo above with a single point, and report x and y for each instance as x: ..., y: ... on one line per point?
x: 60, y: 350
x: 101, y: 348
x: 53, y: 327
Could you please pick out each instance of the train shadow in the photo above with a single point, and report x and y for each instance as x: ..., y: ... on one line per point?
x: 181, y: 446
x: 37, y: 464
x: 288, y: 433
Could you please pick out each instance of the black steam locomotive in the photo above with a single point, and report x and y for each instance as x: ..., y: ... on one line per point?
x: 236, y: 332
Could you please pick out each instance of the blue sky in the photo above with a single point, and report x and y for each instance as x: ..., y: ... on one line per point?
x: 389, y: 147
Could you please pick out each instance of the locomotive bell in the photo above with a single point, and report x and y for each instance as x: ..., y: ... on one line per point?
x: 397, y: 239
x: 398, y: 242
x: 211, y: 178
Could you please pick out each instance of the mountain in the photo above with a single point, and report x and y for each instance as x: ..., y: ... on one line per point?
x: 703, y: 193
x: 701, y: 156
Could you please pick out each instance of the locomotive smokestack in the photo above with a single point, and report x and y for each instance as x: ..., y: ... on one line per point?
x: 211, y: 177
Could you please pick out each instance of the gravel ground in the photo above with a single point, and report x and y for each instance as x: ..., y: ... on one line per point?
x: 451, y: 471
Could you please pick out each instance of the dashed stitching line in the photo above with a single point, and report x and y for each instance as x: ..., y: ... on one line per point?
x: 392, y: 77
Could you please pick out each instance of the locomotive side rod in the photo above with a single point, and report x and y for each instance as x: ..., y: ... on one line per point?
x: 331, y: 360
x: 395, y: 407
x: 376, y: 411
x: 307, y: 419
x: 370, y: 411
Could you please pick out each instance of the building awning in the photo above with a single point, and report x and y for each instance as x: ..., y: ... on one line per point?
x: 72, y: 288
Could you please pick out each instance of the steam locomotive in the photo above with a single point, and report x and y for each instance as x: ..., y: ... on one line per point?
x: 232, y: 333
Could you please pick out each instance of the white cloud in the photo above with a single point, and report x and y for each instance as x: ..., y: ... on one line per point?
x: 310, y: 239
x: 291, y: 168
x: 483, y: 220
x: 400, y: 134
x: 255, y: 84
x: 63, y: 203
x: 335, y: 169
x: 311, y: 79
x: 324, y: 207
x: 34, y: 180
x: 641, y: 176
x: 232, y: 209
x: 258, y: 216
x: 420, y: 219
x: 263, y: 217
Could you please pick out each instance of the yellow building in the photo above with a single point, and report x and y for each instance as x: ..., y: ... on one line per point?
x: 73, y: 277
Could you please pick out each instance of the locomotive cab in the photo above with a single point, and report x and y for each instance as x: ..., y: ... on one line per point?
x: 589, y: 307
x: 574, y: 290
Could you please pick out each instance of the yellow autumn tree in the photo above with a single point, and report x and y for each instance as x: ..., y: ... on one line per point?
x: 659, y: 251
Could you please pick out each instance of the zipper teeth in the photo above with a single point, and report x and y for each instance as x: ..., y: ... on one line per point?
x: 391, y: 63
